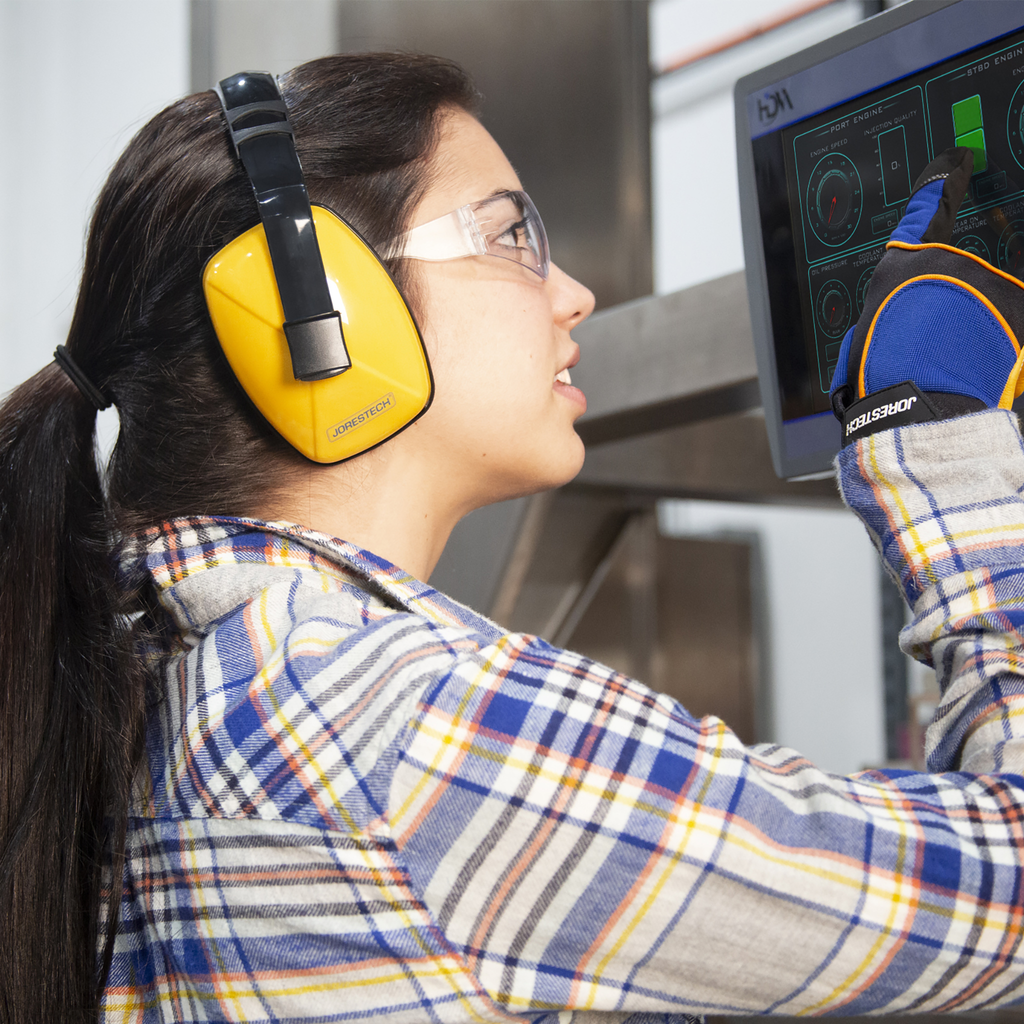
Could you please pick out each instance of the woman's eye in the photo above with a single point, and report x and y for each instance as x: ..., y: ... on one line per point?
x: 513, y: 236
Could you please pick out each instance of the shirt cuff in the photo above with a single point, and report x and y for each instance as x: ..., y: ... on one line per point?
x: 939, y: 498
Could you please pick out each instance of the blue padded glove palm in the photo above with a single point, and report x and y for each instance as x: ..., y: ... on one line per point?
x: 938, y: 335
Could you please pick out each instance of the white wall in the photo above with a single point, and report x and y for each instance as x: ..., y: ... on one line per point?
x: 78, y: 78
x: 824, y: 605
x: 693, y: 143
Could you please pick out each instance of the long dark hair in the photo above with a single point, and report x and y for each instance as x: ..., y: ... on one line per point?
x: 73, y: 692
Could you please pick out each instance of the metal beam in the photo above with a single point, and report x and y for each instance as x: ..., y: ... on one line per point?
x: 724, y: 459
x: 667, y: 360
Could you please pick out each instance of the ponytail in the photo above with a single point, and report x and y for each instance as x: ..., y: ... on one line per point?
x: 72, y: 684
x: 71, y: 700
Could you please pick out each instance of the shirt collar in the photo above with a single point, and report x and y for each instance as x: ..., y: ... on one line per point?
x: 181, y: 548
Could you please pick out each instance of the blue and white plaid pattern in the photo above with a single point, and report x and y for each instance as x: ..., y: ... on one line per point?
x: 362, y: 801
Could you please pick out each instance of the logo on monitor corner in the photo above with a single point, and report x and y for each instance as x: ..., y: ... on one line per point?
x: 771, y: 104
x: 382, y: 404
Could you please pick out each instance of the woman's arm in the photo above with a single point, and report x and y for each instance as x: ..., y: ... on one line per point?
x: 587, y: 844
x: 943, y: 504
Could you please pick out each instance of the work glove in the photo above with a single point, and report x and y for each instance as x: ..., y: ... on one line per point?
x: 939, y: 333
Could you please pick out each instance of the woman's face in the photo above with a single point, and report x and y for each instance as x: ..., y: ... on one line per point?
x: 501, y: 423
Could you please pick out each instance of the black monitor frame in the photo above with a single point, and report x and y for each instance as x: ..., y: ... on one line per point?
x: 871, y: 55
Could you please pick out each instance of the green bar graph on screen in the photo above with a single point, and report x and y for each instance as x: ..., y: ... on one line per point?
x: 969, y: 129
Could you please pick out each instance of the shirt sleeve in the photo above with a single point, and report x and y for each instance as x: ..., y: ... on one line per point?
x: 588, y: 845
x: 942, y: 503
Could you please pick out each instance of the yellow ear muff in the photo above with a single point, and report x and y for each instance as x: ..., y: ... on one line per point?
x: 389, y: 383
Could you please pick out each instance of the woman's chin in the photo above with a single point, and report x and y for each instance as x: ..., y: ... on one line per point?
x: 579, y: 454
x: 556, y: 466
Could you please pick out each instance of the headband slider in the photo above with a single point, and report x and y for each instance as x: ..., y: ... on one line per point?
x: 317, y: 347
x: 63, y: 359
x: 253, y: 107
x: 250, y: 120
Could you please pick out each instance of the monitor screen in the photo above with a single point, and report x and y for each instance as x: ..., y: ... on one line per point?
x: 830, y: 181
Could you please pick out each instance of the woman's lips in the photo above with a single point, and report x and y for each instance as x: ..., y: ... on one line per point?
x: 564, y: 386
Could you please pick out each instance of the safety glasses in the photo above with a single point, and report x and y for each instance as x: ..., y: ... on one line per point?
x: 506, y: 225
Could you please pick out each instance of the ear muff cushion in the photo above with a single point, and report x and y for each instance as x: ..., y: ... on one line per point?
x: 389, y: 383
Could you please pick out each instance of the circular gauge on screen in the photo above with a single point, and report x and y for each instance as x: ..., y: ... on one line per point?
x: 973, y: 244
x: 833, y: 309
x: 862, y: 288
x: 835, y: 198
x: 1015, y: 125
x: 1011, y: 249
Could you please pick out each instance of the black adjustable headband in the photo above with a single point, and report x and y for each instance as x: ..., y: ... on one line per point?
x: 264, y: 142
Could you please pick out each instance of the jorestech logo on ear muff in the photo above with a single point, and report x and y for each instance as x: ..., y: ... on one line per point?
x: 378, y: 408
x: 311, y: 322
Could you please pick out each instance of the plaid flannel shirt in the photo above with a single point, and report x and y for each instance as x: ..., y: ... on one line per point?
x: 362, y: 801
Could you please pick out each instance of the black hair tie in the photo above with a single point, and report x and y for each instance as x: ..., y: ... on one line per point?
x: 63, y: 359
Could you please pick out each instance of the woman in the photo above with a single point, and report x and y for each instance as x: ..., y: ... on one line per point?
x: 326, y: 791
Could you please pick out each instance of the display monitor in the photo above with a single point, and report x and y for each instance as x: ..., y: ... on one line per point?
x: 829, y: 142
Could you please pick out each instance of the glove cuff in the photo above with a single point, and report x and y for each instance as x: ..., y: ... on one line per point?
x: 895, y: 406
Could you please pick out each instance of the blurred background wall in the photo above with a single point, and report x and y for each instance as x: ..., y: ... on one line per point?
x: 618, y: 114
x: 80, y: 77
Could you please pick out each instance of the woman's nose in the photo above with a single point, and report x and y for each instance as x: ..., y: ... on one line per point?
x: 571, y: 302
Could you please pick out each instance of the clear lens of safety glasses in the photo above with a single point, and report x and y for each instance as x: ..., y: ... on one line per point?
x: 506, y: 225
